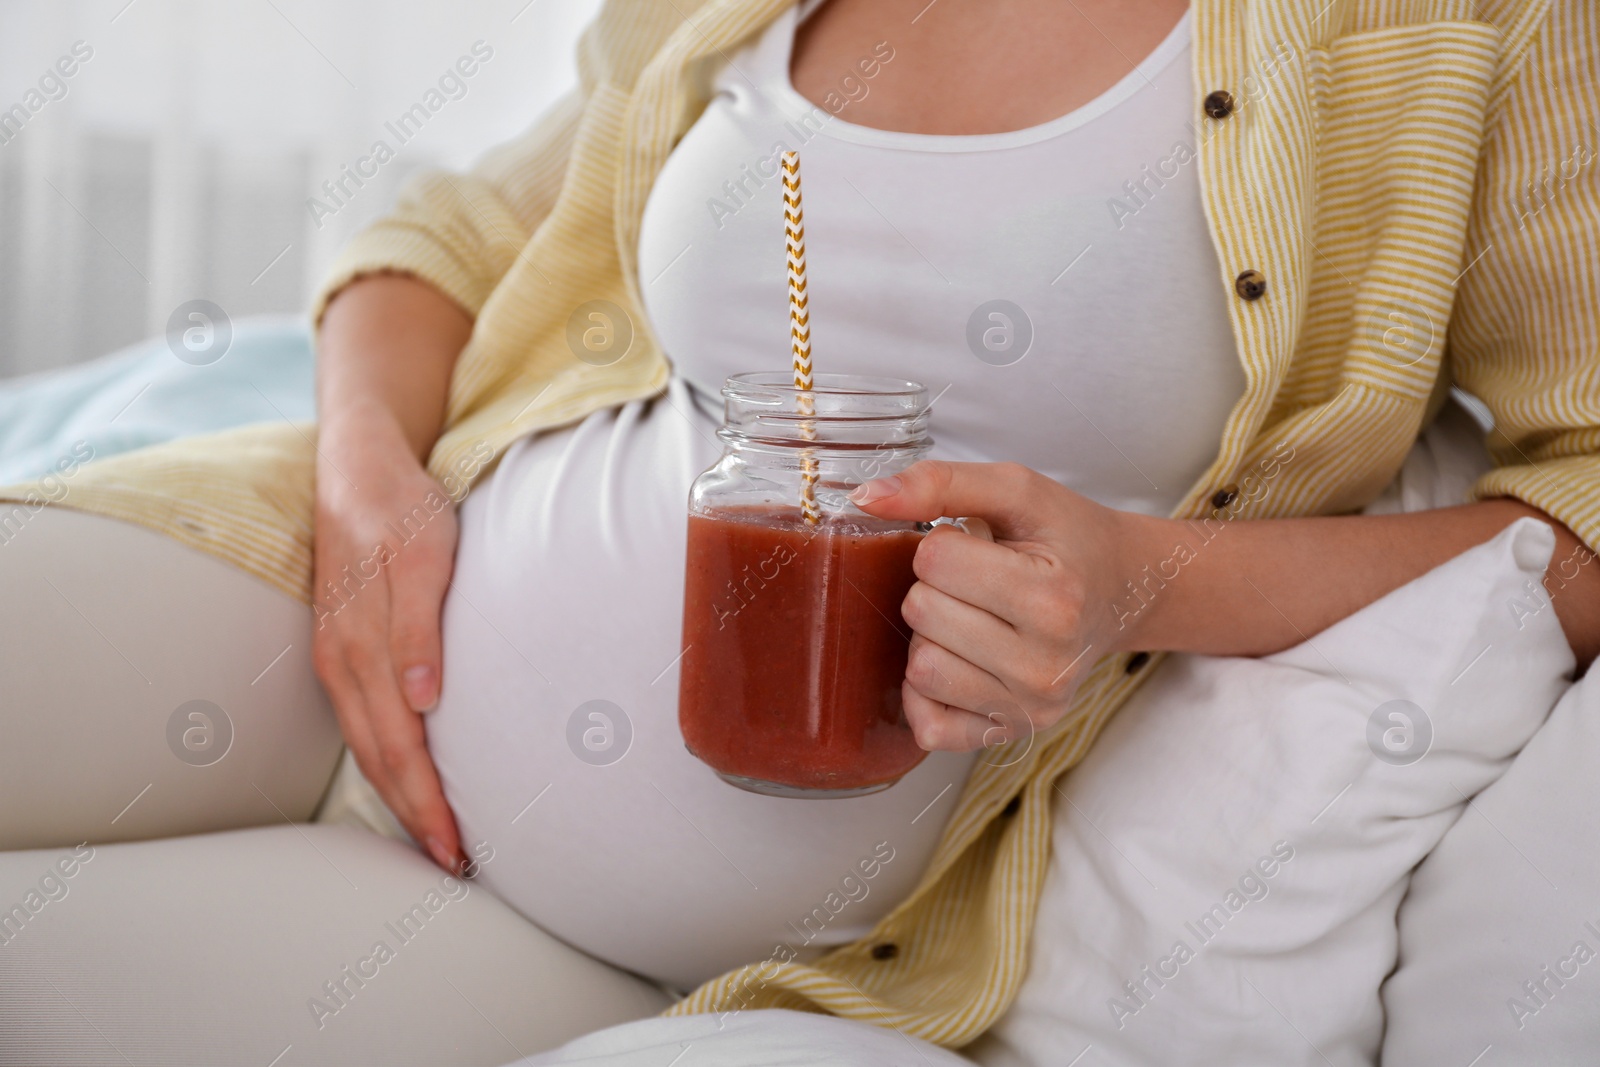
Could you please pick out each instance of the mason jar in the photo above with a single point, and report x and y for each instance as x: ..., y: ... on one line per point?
x: 794, y: 649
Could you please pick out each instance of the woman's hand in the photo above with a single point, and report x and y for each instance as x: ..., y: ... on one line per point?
x: 385, y: 549
x: 1004, y: 630
x: 386, y: 535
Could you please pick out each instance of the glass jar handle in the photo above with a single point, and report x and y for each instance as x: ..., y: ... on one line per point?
x: 967, y: 524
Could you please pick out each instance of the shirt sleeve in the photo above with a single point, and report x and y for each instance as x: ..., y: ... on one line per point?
x: 463, y: 232
x: 1525, y: 335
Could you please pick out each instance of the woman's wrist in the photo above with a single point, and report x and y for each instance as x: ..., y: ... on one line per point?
x: 361, y: 425
x: 1145, y: 561
x: 363, y: 457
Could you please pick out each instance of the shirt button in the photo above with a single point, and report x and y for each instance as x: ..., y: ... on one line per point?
x: 1225, y: 496
x: 1251, y: 285
x: 1219, y: 105
x: 1137, y: 660
x: 888, y: 950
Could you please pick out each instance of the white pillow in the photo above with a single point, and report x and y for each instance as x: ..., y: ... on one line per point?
x: 759, y: 1038
x: 1508, y: 898
x: 1228, y: 860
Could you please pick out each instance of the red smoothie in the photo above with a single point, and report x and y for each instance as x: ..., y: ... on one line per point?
x: 794, y: 650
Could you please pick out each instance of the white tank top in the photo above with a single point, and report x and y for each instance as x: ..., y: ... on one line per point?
x: 1056, y: 287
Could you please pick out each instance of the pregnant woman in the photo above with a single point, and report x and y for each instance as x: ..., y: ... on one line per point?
x: 569, y: 577
x: 1163, y: 269
x: 1029, y: 239
x: 568, y: 581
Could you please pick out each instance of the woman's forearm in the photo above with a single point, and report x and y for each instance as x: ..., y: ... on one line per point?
x: 1251, y: 588
x: 386, y: 350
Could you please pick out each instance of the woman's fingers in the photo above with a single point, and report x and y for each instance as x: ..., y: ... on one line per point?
x: 1035, y: 651
x: 410, y: 784
x: 961, y: 705
x: 418, y: 576
x: 332, y: 663
x: 415, y: 788
x: 351, y: 713
x: 938, y: 727
x: 355, y: 724
x: 973, y: 569
x: 940, y: 675
x: 1021, y: 612
x: 1005, y: 494
x: 386, y: 737
x: 975, y: 635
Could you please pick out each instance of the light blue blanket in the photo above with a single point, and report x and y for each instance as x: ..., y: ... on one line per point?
x: 144, y: 395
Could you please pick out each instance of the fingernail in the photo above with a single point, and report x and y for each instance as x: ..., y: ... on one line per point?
x: 441, y: 855
x: 877, y: 489
x: 421, y: 692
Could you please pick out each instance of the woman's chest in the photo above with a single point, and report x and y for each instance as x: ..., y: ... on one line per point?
x: 966, y: 68
x: 1056, y: 287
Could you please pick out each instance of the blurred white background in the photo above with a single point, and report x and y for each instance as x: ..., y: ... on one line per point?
x: 177, y: 161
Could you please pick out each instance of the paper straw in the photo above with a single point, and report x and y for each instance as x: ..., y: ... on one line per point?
x: 794, y: 232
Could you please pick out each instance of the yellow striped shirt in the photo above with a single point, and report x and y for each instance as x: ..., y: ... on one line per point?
x: 1416, y: 181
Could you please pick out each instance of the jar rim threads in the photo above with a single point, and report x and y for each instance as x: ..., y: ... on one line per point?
x: 848, y: 411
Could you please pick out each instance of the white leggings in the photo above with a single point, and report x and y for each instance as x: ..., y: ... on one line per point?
x: 150, y: 691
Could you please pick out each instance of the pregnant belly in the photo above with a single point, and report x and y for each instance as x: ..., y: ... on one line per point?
x: 557, y: 738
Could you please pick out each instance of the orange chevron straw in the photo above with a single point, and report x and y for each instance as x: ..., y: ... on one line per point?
x: 794, y: 232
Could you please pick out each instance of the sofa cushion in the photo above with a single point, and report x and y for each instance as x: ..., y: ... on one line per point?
x: 1500, y: 933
